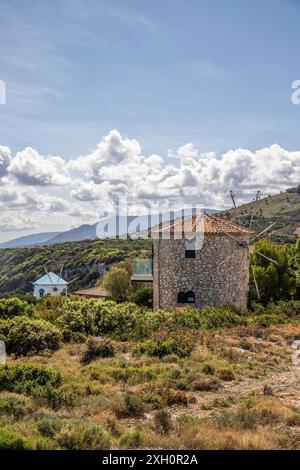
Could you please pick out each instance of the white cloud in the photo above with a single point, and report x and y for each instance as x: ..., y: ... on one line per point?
x: 29, y: 199
x: 5, y: 159
x: 88, y: 191
x: 90, y: 184
x: 31, y: 168
x: 117, y: 168
x: 16, y: 222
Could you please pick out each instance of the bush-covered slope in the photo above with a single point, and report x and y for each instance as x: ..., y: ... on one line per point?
x: 284, y: 208
x: 19, y: 267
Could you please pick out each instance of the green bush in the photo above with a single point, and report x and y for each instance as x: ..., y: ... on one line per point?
x: 143, y: 296
x: 226, y: 374
x: 54, y: 397
x: 15, y: 406
x: 132, y: 439
x: 163, y: 421
x: 208, y: 369
x: 23, y: 378
x: 100, y: 317
x: 131, y: 405
x: 95, y: 348
x: 48, y: 427
x: 166, y: 343
x: 205, y: 384
x: 37, y: 381
x: 83, y: 436
x: 290, y: 308
x: 11, y: 441
x: 26, y: 336
x: 209, y: 317
x: 13, y: 307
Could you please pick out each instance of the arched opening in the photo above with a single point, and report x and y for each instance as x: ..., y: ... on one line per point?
x: 41, y: 293
x: 190, y: 297
x: 64, y: 291
x: 186, y: 297
x: 181, y: 298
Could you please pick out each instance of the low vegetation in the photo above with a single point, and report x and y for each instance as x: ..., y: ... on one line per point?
x: 89, y: 374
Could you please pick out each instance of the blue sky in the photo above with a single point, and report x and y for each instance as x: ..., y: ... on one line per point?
x: 192, y: 82
x: 217, y: 73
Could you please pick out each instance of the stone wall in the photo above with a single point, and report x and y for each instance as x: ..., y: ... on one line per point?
x: 219, y: 275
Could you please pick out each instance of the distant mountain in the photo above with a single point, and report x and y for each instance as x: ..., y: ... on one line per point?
x: 106, y: 228
x: 29, y: 240
x: 83, y: 232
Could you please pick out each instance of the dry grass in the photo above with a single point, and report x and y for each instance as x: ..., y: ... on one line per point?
x: 258, y: 408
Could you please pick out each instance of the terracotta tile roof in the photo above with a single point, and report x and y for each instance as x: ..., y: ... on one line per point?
x: 212, y: 226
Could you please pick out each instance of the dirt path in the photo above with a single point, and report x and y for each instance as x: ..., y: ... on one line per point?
x: 284, y: 385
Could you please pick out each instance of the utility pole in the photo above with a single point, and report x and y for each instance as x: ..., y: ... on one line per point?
x: 232, y: 195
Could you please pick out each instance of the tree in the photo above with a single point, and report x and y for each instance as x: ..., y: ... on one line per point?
x: 276, y: 281
x: 143, y: 296
x: 118, y: 283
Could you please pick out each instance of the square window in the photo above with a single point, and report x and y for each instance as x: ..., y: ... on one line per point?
x: 190, y: 251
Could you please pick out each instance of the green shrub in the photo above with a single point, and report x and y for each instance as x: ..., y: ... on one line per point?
x: 166, y: 344
x: 95, y: 348
x: 100, y: 317
x: 132, y: 439
x: 163, y: 421
x: 208, y: 369
x: 15, y: 406
x: 266, y: 320
x: 129, y: 406
x: 175, y: 397
x: 226, y: 374
x: 290, y: 308
x: 53, y: 397
x: 11, y: 441
x: 143, y: 296
x: 48, y: 427
x: 209, y: 317
x: 83, y: 436
x: 13, y: 307
x: 23, y: 378
x: 37, y: 381
x: 205, y: 384
x: 26, y: 336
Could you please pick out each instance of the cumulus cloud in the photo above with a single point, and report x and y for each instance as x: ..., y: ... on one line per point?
x: 85, y: 186
x: 86, y: 191
x: 118, y: 167
x: 5, y: 159
x: 31, y: 168
x: 30, y: 200
x: 13, y: 222
x: 112, y: 150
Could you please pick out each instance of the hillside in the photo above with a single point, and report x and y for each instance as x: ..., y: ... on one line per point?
x: 80, y: 261
x: 283, y: 208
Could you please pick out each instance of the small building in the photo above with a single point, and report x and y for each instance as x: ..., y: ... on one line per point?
x: 97, y: 292
x: 217, y: 274
x: 50, y: 284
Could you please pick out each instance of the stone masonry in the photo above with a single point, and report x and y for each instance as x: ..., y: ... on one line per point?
x: 218, y: 275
